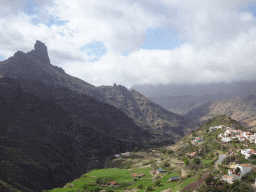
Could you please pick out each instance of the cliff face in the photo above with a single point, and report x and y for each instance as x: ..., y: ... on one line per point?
x: 148, y: 114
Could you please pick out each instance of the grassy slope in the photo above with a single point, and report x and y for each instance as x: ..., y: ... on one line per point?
x: 124, y: 177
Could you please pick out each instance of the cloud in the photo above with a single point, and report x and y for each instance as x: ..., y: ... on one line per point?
x: 220, y: 39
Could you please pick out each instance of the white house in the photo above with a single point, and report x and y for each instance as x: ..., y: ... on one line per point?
x: 241, y: 137
x: 216, y: 127
x: 228, y: 132
x: 227, y: 178
x: 248, y: 153
x: 117, y: 155
x: 126, y: 153
x: 226, y: 139
x: 247, y: 134
x: 244, y: 169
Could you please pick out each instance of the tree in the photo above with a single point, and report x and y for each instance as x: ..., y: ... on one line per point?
x: 237, y: 170
x: 185, y: 160
x: 209, y: 179
x: 149, y: 188
x: 196, y: 160
x: 253, y: 156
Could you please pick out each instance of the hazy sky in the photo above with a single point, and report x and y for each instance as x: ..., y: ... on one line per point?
x: 137, y: 41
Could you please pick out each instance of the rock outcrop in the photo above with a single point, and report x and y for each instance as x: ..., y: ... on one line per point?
x: 40, y: 52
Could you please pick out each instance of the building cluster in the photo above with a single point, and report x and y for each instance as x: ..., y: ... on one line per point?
x: 236, y: 174
x: 248, y: 153
x: 231, y: 134
x: 218, y: 127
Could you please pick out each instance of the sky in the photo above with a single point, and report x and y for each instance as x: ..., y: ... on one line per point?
x: 137, y: 41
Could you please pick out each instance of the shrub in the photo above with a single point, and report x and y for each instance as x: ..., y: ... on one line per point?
x: 149, y: 188
x: 163, y: 151
x: 136, y: 149
x: 166, y: 164
x: 140, y: 186
x: 196, y: 160
x: 97, y: 189
x: 185, y: 160
x: 157, y: 183
x: 98, y: 180
x: 145, y: 163
x: 85, y: 186
x: 69, y: 185
x: 152, y: 161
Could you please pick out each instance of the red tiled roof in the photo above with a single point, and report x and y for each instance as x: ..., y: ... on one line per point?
x: 228, y: 176
x: 246, y: 165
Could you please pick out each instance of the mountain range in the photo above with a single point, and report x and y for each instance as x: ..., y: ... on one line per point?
x: 203, y: 101
x: 55, y: 127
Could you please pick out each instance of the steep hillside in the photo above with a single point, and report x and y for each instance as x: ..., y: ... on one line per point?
x: 56, y: 135
x: 242, y: 109
x: 146, y: 112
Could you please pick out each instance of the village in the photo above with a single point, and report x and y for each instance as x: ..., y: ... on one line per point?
x: 216, y: 153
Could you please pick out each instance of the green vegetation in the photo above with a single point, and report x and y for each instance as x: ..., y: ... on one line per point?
x: 206, y: 161
x: 185, y: 160
x: 119, y: 175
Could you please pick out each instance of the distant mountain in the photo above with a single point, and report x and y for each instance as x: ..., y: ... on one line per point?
x: 242, y: 109
x: 183, y: 98
x: 195, y: 89
x: 147, y: 113
x: 55, y: 127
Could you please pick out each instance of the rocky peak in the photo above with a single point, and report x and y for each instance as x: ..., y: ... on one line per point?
x: 20, y: 55
x: 40, y: 52
x: 40, y: 46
